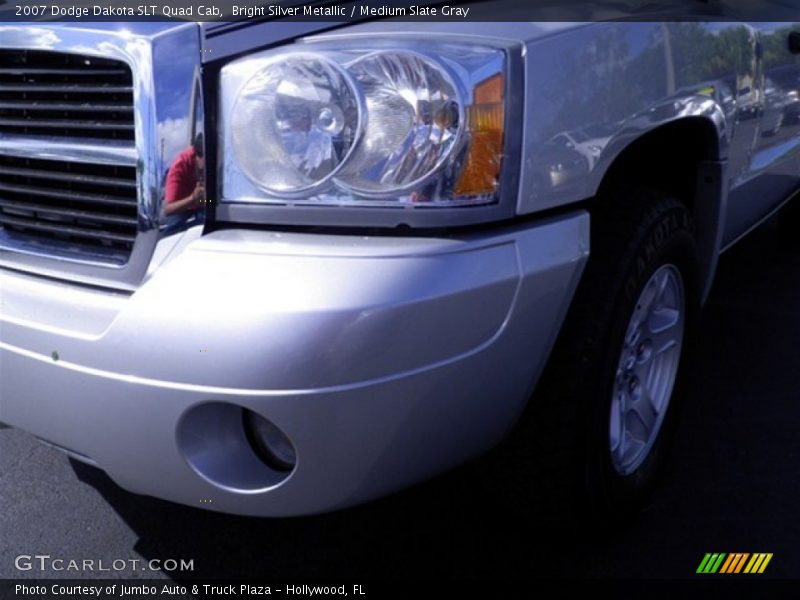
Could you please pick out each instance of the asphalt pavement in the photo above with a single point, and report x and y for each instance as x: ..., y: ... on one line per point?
x: 732, y: 484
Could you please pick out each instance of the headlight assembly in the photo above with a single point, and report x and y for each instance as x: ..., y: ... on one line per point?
x: 384, y: 124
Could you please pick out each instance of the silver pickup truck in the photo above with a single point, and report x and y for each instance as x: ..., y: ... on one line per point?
x: 278, y: 268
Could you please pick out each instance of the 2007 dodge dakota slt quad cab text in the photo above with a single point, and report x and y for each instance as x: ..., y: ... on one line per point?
x: 290, y: 269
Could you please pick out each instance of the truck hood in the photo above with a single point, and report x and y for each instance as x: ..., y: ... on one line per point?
x: 223, y: 40
x: 528, y: 21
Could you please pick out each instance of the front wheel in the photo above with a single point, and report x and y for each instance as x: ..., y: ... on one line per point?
x: 597, y: 429
x: 647, y: 369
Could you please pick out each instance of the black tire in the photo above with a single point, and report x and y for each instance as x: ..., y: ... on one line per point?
x: 789, y: 226
x: 562, y: 466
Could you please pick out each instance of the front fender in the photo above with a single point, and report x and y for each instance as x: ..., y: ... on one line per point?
x: 592, y: 92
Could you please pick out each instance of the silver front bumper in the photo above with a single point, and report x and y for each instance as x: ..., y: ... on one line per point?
x: 384, y: 360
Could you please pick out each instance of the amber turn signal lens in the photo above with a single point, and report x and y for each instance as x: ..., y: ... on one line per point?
x: 486, y: 119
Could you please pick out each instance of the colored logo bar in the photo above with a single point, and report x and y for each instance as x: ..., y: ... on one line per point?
x: 736, y: 562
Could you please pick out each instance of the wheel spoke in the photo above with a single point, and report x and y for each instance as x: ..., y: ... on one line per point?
x: 634, y: 334
x: 665, y: 339
x: 614, y: 431
x: 663, y: 319
x: 632, y: 447
x: 645, y: 411
x: 619, y: 449
x: 617, y: 424
x: 649, y: 297
x: 663, y: 285
x: 649, y: 372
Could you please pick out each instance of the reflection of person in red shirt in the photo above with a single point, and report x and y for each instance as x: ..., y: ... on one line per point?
x: 185, y: 189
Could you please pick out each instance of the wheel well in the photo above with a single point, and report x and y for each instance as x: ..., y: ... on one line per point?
x: 681, y: 159
x: 667, y: 159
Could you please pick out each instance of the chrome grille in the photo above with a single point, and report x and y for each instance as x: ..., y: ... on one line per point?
x: 65, y: 95
x: 82, y: 193
x: 88, y: 207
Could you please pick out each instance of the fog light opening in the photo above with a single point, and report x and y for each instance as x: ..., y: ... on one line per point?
x: 268, y: 442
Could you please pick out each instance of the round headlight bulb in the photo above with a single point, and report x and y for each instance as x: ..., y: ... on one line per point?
x: 294, y: 123
x: 414, y: 122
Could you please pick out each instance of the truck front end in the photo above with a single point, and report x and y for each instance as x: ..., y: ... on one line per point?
x: 271, y: 270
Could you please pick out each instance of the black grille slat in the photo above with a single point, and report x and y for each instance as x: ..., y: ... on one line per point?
x: 66, y: 231
x: 67, y: 89
x: 72, y: 177
x: 76, y: 196
x: 61, y: 72
x: 64, y: 106
x: 92, y: 206
x: 42, y: 211
x: 61, y: 124
x: 49, y: 94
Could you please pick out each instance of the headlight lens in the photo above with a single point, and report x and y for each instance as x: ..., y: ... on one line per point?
x: 293, y: 124
x: 412, y: 125
x: 413, y: 122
